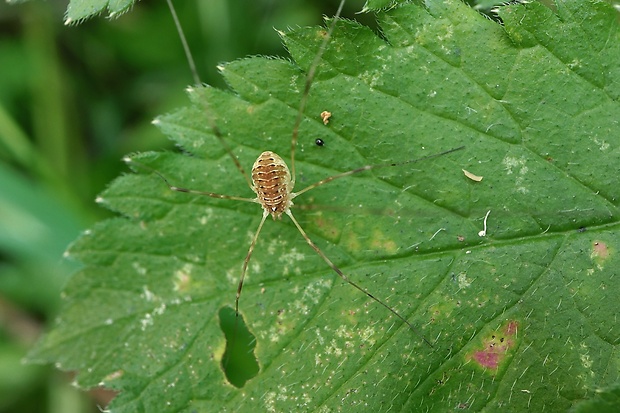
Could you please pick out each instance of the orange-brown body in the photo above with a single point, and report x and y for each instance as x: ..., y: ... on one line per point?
x: 272, y: 183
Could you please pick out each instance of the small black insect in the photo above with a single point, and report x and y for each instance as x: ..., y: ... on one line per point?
x: 319, y: 142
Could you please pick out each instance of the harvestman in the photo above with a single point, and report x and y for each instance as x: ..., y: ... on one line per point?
x: 273, y: 182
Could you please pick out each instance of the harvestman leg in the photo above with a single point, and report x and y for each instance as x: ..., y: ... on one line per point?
x: 345, y: 278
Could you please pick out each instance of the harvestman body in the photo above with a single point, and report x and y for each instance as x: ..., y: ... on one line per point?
x: 273, y: 182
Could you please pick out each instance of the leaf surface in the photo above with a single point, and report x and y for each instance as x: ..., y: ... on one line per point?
x: 523, y: 318
x: 80, y: 10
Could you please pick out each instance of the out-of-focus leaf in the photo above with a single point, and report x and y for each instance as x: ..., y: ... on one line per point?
x: 79, y: 10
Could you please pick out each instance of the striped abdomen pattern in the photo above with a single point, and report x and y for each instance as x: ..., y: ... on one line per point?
x: 272, y: 183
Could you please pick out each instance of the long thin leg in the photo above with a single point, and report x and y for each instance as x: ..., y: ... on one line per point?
x: 369, y: 167
x: 218, y: 134
x: 309, y: 80
x: 353, y: 211
x: 247, y: 261
x: 188, y: 53
x: 210, y: 118
x: 345, y: 278
x: 186, y: 190
x: 240, y: 286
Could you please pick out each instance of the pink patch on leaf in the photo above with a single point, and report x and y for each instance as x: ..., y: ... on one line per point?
x: 488, y: 359
x: 496, y: 347
x: 511, y: 328
x: 600, y: 250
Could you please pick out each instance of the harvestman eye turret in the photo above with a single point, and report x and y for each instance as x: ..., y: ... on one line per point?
x: 273, y: 182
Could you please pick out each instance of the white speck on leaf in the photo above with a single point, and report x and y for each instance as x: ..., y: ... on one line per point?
x: 147, y: 294
x: 147, y: 321
x: 139, y: 268
x: 463, y: 281
x: 602, y: 144
x: 514, y: 165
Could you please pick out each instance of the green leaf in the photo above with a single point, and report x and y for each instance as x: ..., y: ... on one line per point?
x: 605, y: 401
x: 80, y: 10
x: 522, y: 318
x: 380, y: 4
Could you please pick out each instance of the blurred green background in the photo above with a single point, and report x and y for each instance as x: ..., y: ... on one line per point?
x: 73, y: 101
